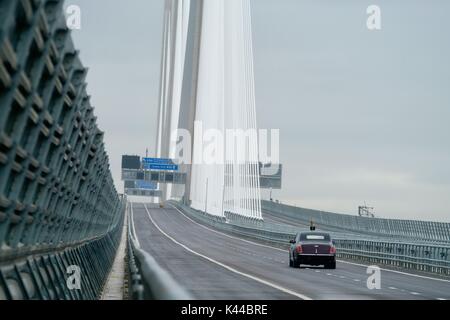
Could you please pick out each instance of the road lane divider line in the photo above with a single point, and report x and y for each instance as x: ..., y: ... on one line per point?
x: 278, y: 249
x: 249, y: 276
x: 133, y: 228
x: 227, y: 235
x: 396, y: 271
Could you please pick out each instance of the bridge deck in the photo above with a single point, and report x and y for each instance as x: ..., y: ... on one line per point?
x: 168, y: 235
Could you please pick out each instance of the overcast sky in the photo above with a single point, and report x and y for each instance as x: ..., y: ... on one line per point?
x: 363, y: 115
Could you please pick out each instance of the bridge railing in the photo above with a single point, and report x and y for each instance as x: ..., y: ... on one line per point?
x: 421, y: 231
x: 148, y: 280
x: 430, y: 258
x: 57, y: 194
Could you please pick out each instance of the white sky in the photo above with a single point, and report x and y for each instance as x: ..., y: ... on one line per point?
x: 363, y: 115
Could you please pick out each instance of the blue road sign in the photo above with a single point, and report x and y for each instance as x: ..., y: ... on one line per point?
x: 142, y: 184
x: 157, y: 161
x: 166, y: 167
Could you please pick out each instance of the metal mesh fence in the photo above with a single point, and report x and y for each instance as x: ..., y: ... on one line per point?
x: 55, y: 184
x: 420, y: 231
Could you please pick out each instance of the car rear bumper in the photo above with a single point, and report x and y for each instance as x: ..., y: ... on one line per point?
x: 315, y: 259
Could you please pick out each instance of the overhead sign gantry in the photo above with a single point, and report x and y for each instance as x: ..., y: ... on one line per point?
x: 136, y: 172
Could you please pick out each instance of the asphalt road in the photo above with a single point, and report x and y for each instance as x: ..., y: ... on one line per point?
x: 213, y: 265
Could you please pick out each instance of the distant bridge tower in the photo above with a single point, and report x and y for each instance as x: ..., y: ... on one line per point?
x: 207, y: 78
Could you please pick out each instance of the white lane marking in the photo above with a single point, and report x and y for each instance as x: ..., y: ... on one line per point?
x: 227, y: 235
x: 442, y: 299
x: 278, y: 249
x: 268, y: 283
x: 133, y: 228
x: 329, y: 274
x: 415, y: 293
x: 317, y: 271
x: 395, y: 271
x: 393, y: 288
x: 342, y: 277
x: 356, y: 280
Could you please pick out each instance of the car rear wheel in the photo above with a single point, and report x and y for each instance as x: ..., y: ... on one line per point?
x: 331, y: 265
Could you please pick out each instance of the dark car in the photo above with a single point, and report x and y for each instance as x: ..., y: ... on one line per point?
x: 312, y: 248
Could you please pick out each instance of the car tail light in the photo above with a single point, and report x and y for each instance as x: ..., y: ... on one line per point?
x: 332, y: 249
x: 299, y: 249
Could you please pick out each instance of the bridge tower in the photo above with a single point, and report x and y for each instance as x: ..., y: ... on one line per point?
x: 207, y: 82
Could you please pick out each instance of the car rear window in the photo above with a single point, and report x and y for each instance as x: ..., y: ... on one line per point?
x: 312, y: 237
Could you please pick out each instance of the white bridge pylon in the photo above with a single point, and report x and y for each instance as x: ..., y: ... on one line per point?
x: 207, y: 77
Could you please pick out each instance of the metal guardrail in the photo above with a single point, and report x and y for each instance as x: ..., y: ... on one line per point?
x: 283, y: 228
x: 148, y: 280
x: 57, y: 196
x: 432, y: 259
x: 45, y: 276
x: 411, y: 256
x: 415, y: 231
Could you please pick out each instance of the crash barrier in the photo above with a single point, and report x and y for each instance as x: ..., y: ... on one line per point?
x: 74, y: 273
x: 415, y: 231
x: 135, y: 288
x: 148, y: 281
x: 426, y: 258
x: 56, y: 189
x: 429, y: 258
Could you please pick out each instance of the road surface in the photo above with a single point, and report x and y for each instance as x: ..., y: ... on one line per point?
x: 214, y: 265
